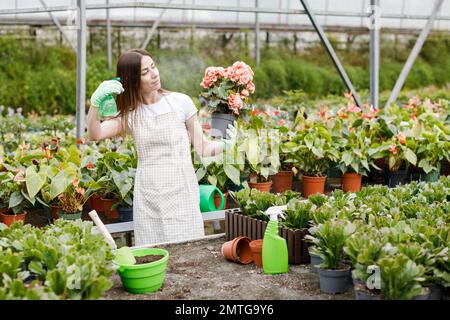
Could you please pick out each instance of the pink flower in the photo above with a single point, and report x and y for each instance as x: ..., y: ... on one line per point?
x: 393, y: 149
x: 19, y: 176
x: 353, y: 108
x: 401, y: 138
x: 414, y: 101
x: 80, y: 190
x: 90, y: 165
x: 374, y: 110
x: 75, y: 182
x: 349, y: 96
x: 408, y: 106
x: 322, y: 113
x: 240, y: 72
x: 235, y: 102
x: 210, y: 77
x: 245, y: 93
x: 251, y: 87
x: 281, y: 122
x: 256, y: 112
x: 341, y: 113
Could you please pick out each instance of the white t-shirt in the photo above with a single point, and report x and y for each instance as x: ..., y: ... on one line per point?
x: 181, y: 103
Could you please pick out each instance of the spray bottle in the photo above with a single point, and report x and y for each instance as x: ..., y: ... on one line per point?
x: 274, y: 250
x: 108, y: 106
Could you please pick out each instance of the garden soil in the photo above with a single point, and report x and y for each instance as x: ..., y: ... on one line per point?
x: 197, y: 270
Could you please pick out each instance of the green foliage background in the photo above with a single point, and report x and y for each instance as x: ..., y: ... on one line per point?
x: 42, y: 77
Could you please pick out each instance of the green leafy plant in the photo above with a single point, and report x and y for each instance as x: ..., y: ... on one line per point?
x: 254, y: 203
x: 433, y: 147
x: 62, y: 261
x: 313, y: 148
x: 400, y: 277
x: 297, y: 214
x: 329, y: 240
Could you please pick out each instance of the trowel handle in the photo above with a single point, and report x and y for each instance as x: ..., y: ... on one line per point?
x: 94, y: 216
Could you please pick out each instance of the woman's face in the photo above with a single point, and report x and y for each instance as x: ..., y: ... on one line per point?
x: 149, y: 75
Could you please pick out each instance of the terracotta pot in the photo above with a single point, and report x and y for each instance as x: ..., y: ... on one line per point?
x: 351, y: 182
x: 54, y: 210
x: 9, y: 219
x: 256, y: 247
x: 107, y: 204
x: 238, y: 250
x: 96, y: 203
x: 282, y: 181
x: 313, y: 185
x: 261, y: 186
x: 217, y: 200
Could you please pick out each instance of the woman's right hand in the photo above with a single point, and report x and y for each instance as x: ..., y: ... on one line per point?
x: 105, y: 88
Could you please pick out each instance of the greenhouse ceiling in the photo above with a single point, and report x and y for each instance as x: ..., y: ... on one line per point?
x: 398, y: 14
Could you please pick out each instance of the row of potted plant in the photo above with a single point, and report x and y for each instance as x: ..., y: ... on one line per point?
x: 60, y: 261
x: 351, y: 139
x: 394, y: 241
x: 63, y: 179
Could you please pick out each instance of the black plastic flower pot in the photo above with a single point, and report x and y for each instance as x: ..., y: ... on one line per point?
x: 396, y: 178
x: 423, y: 296
x: 366, y: 295
x: 436, y: 291
x: 125, y: 214
x: 315, y: 260
x: 219, y: 124
x: 334, y: 281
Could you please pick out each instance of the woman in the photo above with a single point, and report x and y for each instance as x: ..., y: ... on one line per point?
x: 166, y: 193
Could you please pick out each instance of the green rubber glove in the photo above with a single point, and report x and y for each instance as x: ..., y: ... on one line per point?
x: 104, y: 89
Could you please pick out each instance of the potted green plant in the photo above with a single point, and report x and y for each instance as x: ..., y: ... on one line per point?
x: 433, y: 147
x: 72, y: 201
x: 400, y: 154
x: 401, y: 278
x: 124, y: 186
x: 227, y: 89
x: 14, y: 204
x: 260, y: 147
x: 278, y: 121
x: 329, y: 241
x: 364, y: 248
x: 355, y: 159
x: 313, y: 149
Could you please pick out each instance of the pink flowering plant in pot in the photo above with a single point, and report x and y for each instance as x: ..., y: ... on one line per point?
x: 227, y: 91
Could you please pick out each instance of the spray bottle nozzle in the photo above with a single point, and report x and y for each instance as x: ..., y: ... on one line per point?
x: 273, y: 212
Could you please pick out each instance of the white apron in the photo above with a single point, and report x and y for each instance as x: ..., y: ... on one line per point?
x: 166, y: 204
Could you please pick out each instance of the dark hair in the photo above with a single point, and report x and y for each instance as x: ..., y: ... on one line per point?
x: 129, y: 71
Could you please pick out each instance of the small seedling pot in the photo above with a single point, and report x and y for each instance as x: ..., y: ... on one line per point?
x: 238, y: 250
x: 256, y: 247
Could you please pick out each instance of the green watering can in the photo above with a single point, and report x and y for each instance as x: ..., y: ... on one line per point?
x: 207, y: 192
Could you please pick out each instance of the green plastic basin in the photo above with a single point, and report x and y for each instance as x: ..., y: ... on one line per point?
x: 146, y: 277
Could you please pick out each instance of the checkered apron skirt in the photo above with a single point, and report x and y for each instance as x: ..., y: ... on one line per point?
x: 166, y: 204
